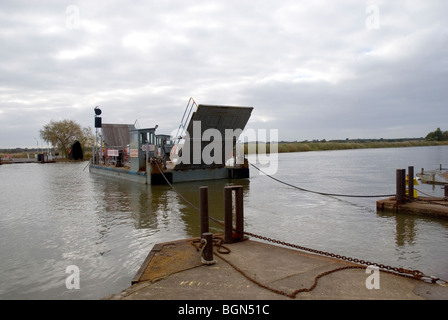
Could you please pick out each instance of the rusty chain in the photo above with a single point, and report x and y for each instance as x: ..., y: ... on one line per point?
x: 415, y: 274
x: 221, y: 249
x: 293, y: 294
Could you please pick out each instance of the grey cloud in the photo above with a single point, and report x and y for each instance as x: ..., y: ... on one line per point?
x: 311, y: 70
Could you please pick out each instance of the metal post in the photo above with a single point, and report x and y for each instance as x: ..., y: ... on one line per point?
x: 94, y: 149
x: 101, y: 147
x: 411, y: 182
x: 228, y: 214
x: 207, y: 249
x: 401, y: 185
x: 203, y: 201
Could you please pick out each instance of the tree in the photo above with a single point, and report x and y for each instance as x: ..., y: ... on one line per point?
x: 62, y: 134
x: 437, y: 135
x: 87, y: 139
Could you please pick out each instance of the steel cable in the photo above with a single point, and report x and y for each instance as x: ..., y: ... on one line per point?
x: 322, y: 193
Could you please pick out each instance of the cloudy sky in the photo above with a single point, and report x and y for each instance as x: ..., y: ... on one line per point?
x: 311, y: 69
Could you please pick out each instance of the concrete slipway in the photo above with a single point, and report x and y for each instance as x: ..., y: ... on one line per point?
x: 254, y: 270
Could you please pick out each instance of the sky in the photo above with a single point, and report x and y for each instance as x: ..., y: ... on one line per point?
x: 310, y: 69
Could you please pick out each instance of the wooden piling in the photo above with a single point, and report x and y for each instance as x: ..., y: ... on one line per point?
x: 203, y: 201
x: 228, y: 214
x: 401, y: 185
x: 239, y: 213
x: 411, y: 182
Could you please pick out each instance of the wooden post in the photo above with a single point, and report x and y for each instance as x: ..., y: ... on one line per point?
x: 401, y: 185
x: 228, y: 214
x: 411, y: 183
x: 446, y: 190
x: 234, y: 151
x: 203, y: 201
x: 239, y: 212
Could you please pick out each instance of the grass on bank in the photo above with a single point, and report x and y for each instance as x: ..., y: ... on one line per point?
x: 304, y: 146
x: 260, y: 147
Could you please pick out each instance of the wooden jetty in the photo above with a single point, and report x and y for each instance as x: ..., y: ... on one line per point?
x: 436, y: 177
x: 427, y: 206
x: 405, y: 200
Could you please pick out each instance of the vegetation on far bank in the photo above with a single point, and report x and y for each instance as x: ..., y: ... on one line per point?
x: 437, y: 135
x: 74, y: 131
x: 306, y: 146
x: 60, y: 135
x: 31, y: 153
x: 434, y: 138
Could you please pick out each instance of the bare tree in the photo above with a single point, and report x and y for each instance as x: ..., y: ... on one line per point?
x: 62, y: 134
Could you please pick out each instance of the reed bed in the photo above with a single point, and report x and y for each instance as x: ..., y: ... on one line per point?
x: 261, y: 147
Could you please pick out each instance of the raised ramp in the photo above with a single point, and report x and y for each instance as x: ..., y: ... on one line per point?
x: 212, y: 117
x: 116, y: 134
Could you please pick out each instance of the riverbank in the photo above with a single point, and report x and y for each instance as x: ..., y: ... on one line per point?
x: 18, y: 160
x: 302, y: 146
x: 306, y: 146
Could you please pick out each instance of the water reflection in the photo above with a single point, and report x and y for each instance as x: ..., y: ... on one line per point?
x: 405, y: 230
x: 166, y: 199
x: 161, y: 207
x: 405, y: 227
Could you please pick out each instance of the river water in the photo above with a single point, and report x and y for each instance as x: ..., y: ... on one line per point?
x: 57, y: 215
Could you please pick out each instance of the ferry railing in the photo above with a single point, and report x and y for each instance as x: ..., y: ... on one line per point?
x: 184, y: 122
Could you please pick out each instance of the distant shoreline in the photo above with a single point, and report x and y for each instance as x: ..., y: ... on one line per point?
x: 285, y: 147
x: 306, y: 146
